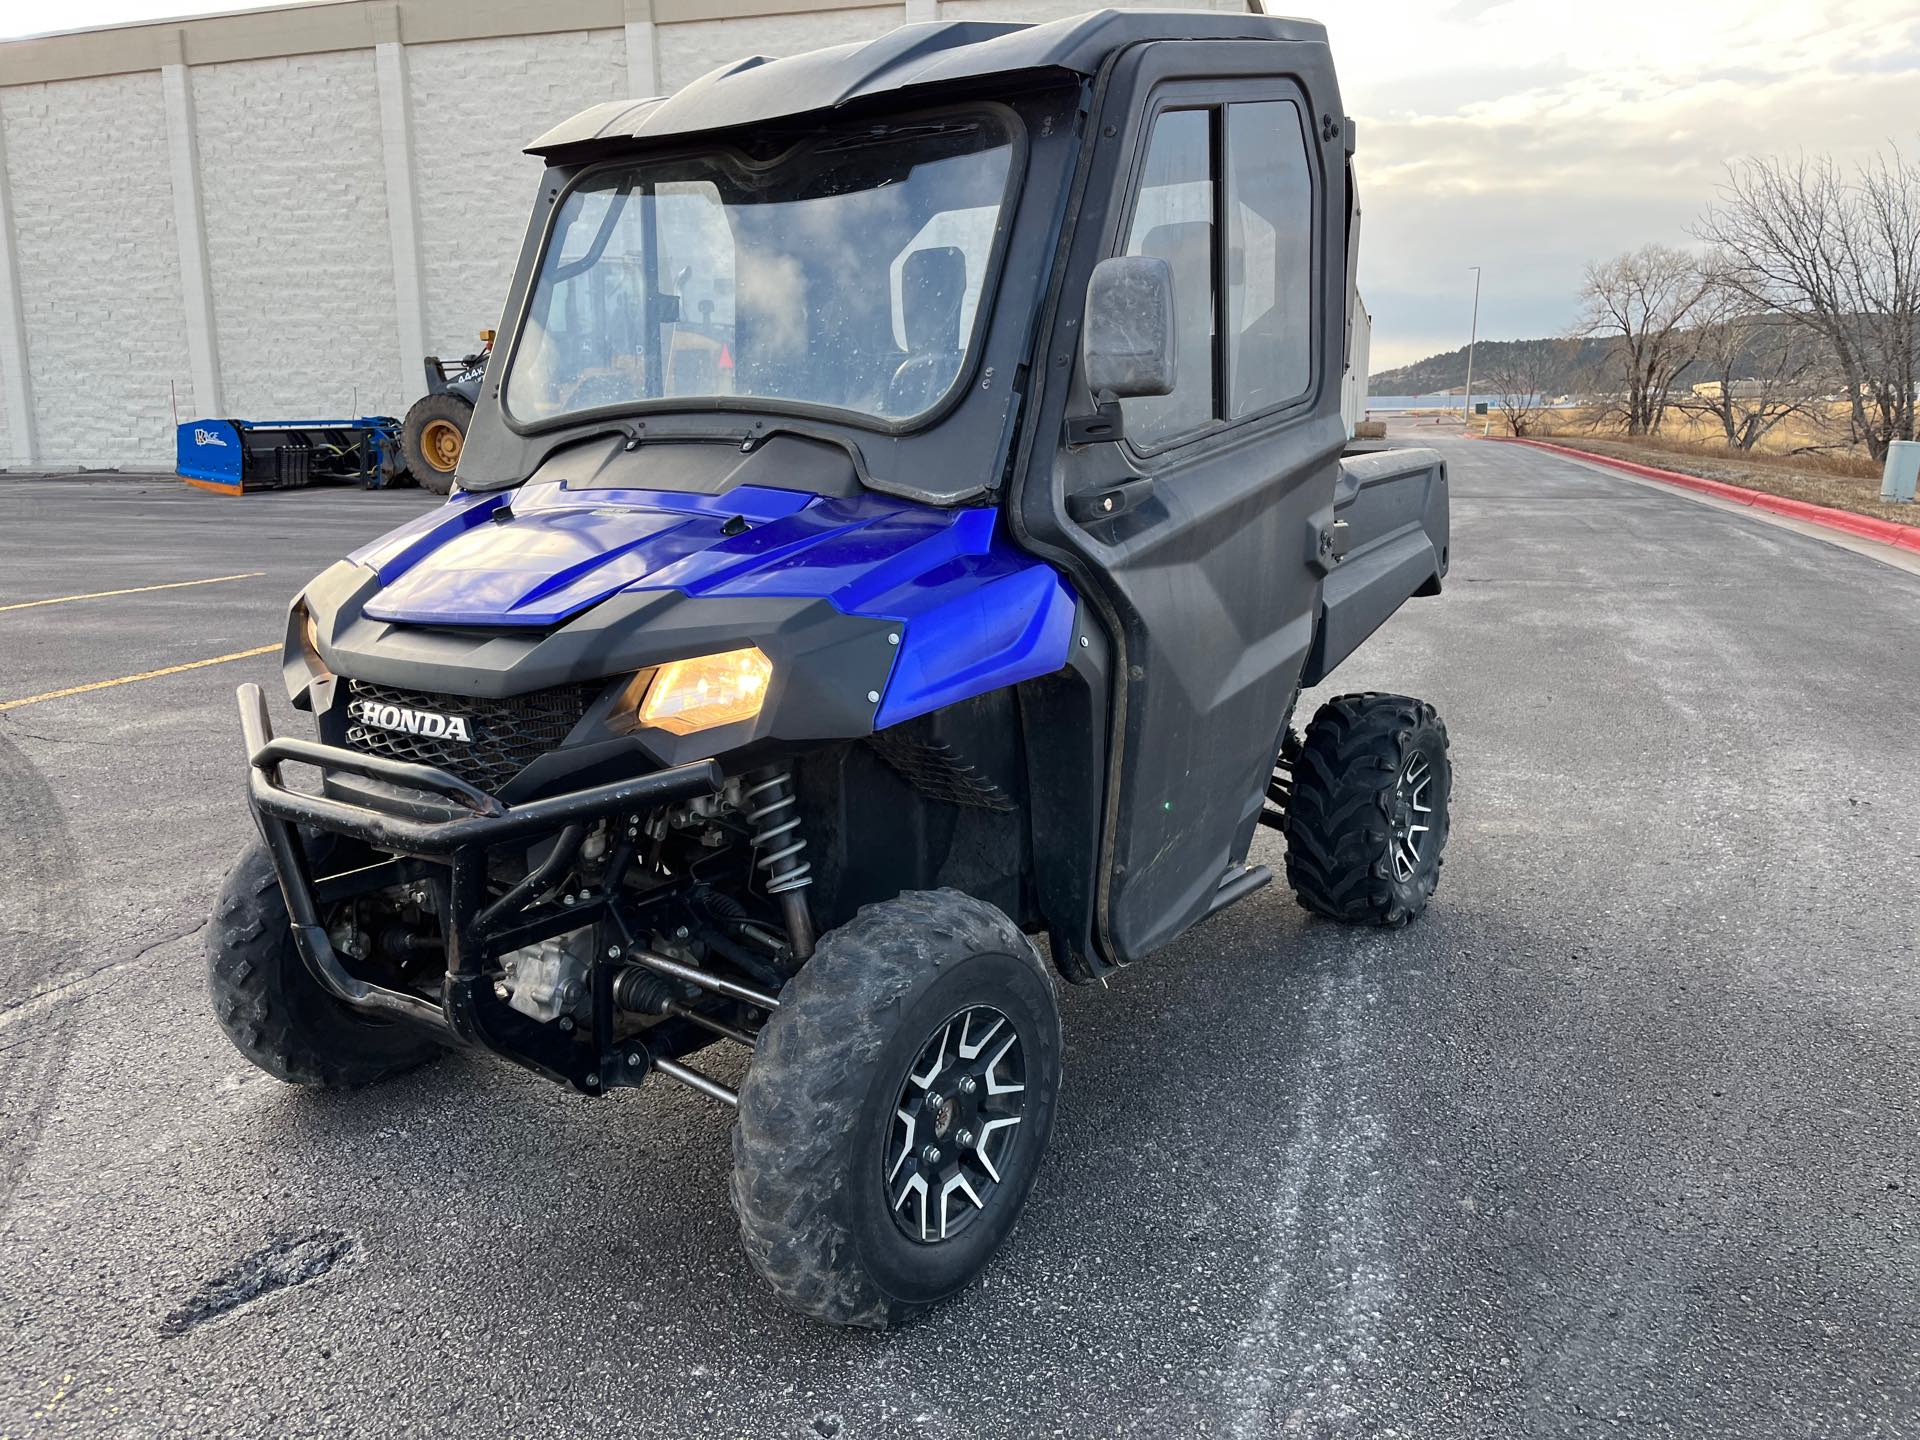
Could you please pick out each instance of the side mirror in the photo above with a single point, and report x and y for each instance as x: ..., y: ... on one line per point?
x: 1127, y: 335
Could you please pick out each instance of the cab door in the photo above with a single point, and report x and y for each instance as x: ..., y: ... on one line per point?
x: 1195, y: 534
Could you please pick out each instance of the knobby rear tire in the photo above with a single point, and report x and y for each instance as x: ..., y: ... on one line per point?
x: 1340, y: 820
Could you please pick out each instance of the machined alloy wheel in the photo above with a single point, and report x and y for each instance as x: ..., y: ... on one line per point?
x: 1412, y: 814
x: 953, y: 1124
x: 896, y: 1110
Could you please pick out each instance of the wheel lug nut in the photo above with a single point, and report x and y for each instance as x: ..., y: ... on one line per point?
x: 965, y: 1137
x: 930, y: 1155
x: 967, y: 1085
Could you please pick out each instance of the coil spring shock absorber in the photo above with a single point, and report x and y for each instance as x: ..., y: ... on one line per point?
x: 773, y: 816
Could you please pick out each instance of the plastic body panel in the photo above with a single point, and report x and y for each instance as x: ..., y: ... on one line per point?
x: 826, y: 665
x: 1390, y: 517
x: 972, y: 613
x: 875, y: 830
x: 907, y: 59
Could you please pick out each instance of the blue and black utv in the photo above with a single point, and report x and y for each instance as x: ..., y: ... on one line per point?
x: 902, y: 510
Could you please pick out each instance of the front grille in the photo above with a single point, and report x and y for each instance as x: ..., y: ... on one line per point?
x: 507, y: 735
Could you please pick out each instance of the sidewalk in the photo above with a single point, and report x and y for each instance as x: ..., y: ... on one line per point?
x: 1885, y: 532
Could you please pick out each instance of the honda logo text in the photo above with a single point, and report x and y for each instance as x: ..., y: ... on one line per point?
x: 410, y: 722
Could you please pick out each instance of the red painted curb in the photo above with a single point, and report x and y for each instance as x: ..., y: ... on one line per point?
x: 1887, y: 532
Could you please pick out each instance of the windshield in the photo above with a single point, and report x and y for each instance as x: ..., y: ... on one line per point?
x: 843, y: 274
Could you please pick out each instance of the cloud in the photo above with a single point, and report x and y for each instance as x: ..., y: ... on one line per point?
x: 1531, y: 138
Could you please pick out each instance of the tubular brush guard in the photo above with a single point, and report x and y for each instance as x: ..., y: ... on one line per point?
x: 451, y: 857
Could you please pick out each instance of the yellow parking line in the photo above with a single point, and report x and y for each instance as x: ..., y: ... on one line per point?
x: 134, y: 590
x: 129, y: 679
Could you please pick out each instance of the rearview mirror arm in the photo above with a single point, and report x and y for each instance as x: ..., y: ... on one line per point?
x: 1105, y: 423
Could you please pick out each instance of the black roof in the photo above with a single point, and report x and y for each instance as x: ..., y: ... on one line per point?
x: 912, y: 57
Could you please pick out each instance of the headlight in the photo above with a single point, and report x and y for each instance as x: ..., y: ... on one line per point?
x: 310, y: 638
x: 690, y: 695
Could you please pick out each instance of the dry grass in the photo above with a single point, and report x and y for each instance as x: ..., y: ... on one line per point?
x: 1791, y: 443
x: 1840, y: 464
x: 1798, y: 442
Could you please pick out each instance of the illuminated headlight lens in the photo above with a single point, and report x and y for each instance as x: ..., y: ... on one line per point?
x: 690, y: 695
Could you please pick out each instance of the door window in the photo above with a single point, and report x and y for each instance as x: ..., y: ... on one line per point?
x: 1269, y: 257
x: 1173, y: 220
x: 1242, y: 269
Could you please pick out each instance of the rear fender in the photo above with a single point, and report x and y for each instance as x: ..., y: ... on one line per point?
x: 1387, y: 543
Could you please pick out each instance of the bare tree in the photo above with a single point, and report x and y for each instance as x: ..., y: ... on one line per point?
x: 1645, y: 303
x: 1755, y: 369
x: 1522, y: 377
x: 1840, y: 253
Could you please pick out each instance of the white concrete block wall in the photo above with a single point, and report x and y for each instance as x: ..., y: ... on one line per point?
x: 295, y: 178
x: 99, y: 266
x: 1042, y: 10
x: 476, y: 104
x: 296, y: 225
x: 691, y: 48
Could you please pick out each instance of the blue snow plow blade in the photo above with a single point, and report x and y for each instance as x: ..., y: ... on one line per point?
x: 976, y: 613
x: 210, y: 451
x: 235, y: 457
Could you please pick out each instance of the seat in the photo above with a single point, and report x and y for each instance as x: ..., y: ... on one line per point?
x: 1187, y: 247
x: 933, y: 286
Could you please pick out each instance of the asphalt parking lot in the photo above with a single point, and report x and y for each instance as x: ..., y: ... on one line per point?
x: 1621, y: 1135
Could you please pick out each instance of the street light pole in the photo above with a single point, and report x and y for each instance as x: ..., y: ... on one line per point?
x: 1466, y: 410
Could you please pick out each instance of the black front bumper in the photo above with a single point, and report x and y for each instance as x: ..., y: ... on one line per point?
x: 450, y: 856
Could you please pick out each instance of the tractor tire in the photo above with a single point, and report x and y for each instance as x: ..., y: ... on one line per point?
x: 271, y: 1007
x: 1367, y: 817
x: 896, y: 1110
x: 433, y: 435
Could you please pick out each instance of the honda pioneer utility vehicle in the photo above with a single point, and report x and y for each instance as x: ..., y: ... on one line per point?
x: 902, y: 510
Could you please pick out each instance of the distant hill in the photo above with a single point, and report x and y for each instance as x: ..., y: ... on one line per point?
x: 1438, y: 374
x: 1582, y: 368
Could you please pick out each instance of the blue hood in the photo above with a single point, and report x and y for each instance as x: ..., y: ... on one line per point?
x: 978, y: 614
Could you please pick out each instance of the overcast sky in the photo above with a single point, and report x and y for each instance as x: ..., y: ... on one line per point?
x: 1530, y: 136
